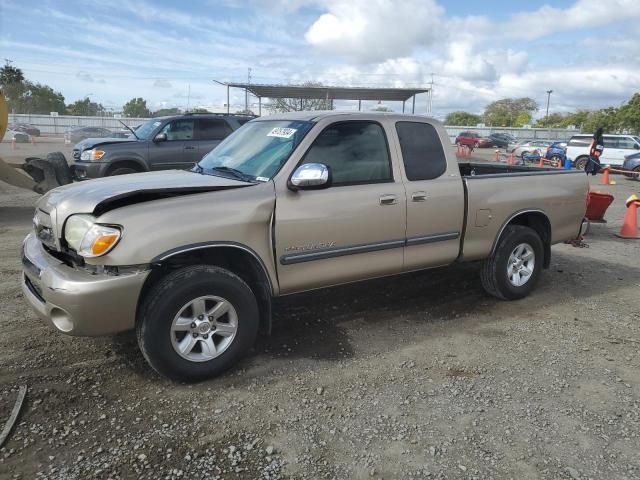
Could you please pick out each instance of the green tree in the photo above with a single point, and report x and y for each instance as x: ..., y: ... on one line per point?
x: 523, y: 118
x: 504, y: 113
x: 12, y: 83
x: 136, y: 107
x: 163, y: 112
x: 381, y: 108
x: 245, y: 112
x: 84, y: 107
x: 462, y: 119
x: 38, y: 98
x: 607, y: 118
x: 629, y: 115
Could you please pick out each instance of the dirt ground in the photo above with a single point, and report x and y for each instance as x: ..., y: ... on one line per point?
x: 418, y: 376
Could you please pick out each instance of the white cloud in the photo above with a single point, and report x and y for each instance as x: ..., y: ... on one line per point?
x: 373, y: 30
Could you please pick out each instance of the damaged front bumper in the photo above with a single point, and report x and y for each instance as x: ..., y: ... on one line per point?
x: 75, y: 301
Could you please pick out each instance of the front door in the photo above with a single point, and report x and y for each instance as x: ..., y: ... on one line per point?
x: 179, y: 150
x: 435, y: 198
x: 352, y: 230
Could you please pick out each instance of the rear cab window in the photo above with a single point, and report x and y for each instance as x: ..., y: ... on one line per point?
x: 213, y: 129
x: 422, y: 152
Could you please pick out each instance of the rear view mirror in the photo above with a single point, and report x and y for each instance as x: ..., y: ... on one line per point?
x: 311, y: 176
x: 161, y: 137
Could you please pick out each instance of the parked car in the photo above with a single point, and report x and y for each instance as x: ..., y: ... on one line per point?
x: 501, y: 140
x: 26, y: 128
x: 77, y: 134
x: 178, y: 141
x: 192, y: 259
x: 632, y: 164
x: 557, y: 151
x: 19, y: 137
x: 472, y: 139
x: 525, y: 147
x: 616, y: 148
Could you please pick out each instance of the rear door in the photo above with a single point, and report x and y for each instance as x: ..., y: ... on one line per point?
x: 354, y: 229
x: 179, y: 150
x: 211, y: 131
x: 435, y: 197
x: 625, y: 146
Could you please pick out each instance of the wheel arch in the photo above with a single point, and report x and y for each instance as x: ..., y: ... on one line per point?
x: 127, y: 163
x: 536, y: 220
x: 235, y: 257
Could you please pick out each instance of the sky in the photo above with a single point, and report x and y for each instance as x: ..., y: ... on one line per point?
x: 169, y: 52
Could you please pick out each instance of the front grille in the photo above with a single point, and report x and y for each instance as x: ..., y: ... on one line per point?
x: 33, y: 288
x: 43, y: 228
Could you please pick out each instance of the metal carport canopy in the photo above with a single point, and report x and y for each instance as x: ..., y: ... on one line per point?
x: 328, y: 92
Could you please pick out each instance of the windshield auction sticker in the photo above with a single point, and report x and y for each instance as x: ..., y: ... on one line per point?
x: 281, y: 132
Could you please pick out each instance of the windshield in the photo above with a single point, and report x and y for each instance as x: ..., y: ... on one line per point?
x: 258, y: 149
x: 145, y: 130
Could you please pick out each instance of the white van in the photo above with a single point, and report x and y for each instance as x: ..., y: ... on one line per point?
x: 616, y: 147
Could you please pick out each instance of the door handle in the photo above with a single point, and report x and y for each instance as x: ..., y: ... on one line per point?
x: 189, y: 148
x: 387, y: 199
x: 419, y: 196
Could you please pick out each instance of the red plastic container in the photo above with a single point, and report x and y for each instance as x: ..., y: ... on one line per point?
x: 597, y: 206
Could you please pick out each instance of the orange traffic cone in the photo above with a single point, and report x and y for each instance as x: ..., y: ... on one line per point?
x: 605, y: 176
x: 13, y: 144
x: 33, y: 140
x: 630, y: 225
x: 541, y: 162
x: 497, y: 156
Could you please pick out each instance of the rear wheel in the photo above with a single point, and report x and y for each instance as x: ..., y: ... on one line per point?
x: 513, y: 269
x: 197, y: 322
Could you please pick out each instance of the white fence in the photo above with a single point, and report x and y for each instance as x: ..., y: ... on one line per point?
x: 49, y: 125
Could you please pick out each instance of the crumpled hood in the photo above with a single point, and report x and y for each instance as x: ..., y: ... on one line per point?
x: 89, y: 143
x: 104, y: 194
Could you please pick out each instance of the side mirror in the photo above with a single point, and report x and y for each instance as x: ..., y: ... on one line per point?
x: 636, y: 146
x: 311, y: 176
x: 161, y: 137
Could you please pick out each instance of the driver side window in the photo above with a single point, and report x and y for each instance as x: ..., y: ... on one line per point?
x: 178, y: 130
x: 355, y: 151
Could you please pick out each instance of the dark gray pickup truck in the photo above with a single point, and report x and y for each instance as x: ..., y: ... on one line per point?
x: 178, y: 141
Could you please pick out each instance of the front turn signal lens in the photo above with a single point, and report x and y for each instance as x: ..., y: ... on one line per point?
x: 99, y: 240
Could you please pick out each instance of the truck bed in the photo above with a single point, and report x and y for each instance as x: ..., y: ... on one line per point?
x: 496, y: 193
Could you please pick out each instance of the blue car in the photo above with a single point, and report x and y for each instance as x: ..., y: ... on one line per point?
x: 557, y: 152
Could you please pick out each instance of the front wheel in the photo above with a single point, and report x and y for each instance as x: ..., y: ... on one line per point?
x: 197, y: 322
x: 633, y: 177
x: 513, y: 269
x: 581, y: 163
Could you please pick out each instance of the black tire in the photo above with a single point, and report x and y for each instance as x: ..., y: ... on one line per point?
x: 61, y: 167
x: 493, y: 272
x: 164, y: 301
x: 633, y: 177
x: 121, y: 171
x: 581, y: 162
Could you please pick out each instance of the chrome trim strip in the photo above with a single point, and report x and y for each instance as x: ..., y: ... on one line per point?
x: 439, y: 237
x: 365, y: 248
x: 340, y: 251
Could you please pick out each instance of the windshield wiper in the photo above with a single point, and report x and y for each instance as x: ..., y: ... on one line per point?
x: 235, y: 173
x: 130, y: 129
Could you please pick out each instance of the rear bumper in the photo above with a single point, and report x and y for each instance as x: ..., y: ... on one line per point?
x: 74, y: 301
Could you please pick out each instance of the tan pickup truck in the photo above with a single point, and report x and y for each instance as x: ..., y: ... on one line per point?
x: 287, y: 203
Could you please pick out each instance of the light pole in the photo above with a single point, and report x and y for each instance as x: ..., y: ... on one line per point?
x: 546, y: 119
